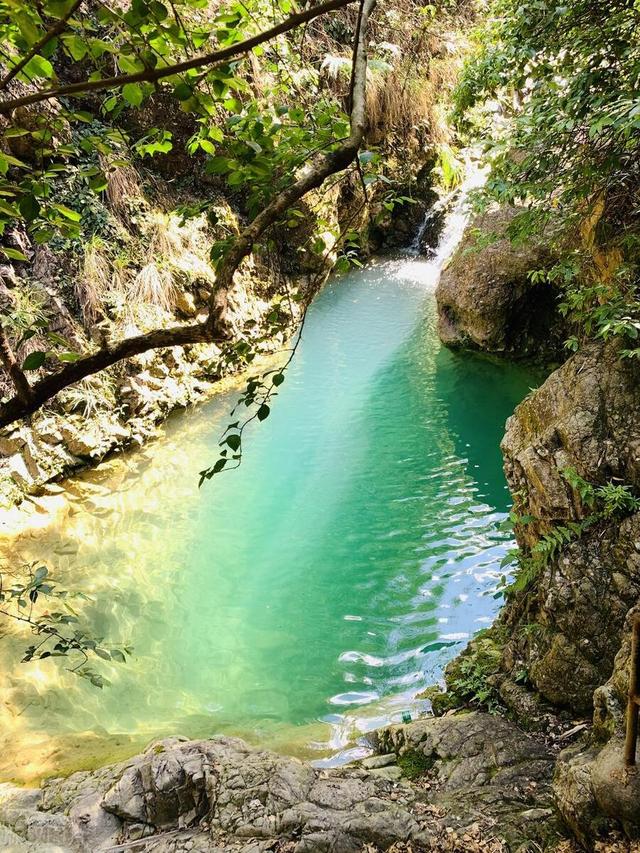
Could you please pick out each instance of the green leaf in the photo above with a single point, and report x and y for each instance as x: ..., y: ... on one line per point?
x: 235, y: 179
x: 218, y: 165
x: 10, y: 211
x: 14, y: 254
x: 29, y: 207
x: 34, y: 360
x: 40, y: 573
x: 207, y: 146
x: 98, y: 183
x: 73, y: 215
x: 263, y: 412
x: 38, y: 66
x: 183, y: 91
x: 12, y: 161
x: 234, y: 441
x: 76, y: 46
x: 132, y: 93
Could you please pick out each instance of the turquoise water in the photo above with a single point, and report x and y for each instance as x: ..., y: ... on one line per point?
x: 328, y: 580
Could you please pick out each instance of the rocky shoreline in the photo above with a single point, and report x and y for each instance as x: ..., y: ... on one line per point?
x: 465, y: 782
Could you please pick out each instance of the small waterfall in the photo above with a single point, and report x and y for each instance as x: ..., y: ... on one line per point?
x: 452, y: 208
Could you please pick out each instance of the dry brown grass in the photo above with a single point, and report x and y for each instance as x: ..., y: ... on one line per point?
x: 91, y: 395
x: 93, y: 284
x: 403, y: 93
x: 397, y: 105
x: 123, y: 184
x: 153, y: 285
x: 182, y: 247
x: 149, y: 275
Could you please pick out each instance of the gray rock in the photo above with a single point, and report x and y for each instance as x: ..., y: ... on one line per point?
x: 378, y: 760
x: 486, y: 300
x: 220, y: 795
x: 393, y: 774
x: 585, y: 416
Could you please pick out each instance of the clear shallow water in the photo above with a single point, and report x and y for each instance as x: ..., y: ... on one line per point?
x: 315, y: 591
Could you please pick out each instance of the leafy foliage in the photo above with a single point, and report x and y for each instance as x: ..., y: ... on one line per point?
x: 57, y: 630
x: 608, y: 502
x: 90, y: 91
x: 553, y: 91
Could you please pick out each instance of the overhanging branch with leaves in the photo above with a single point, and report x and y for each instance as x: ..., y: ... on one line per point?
x: 217, y: 327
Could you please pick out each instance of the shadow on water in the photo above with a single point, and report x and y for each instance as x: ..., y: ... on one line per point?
x: 478, y: 395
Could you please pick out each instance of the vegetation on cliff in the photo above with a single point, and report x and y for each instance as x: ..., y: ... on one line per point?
x: 562, y: 81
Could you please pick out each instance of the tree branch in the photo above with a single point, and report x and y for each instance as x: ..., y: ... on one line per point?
x: 152, y: 75
x: 23, y: 390
x: 311, y: 176
x: 217, y: 328
x: 46, y: 38
x: 50, y: 385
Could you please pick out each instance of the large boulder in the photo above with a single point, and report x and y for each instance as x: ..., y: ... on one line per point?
x: 595, y: 792
x: 486, y: 300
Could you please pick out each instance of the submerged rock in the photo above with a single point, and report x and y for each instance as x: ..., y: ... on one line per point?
x: 486, y: 300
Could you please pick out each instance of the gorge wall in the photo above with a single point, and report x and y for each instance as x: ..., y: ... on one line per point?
x: 142, y: 262
x: 562, y: 642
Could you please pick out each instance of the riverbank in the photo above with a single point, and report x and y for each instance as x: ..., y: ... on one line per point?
x: 486, y: 674
x: 466, y: 783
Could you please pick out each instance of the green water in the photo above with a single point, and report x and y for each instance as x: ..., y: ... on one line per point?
x: 335, y: 573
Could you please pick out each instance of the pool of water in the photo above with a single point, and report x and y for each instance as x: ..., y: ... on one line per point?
x: 314, y: 592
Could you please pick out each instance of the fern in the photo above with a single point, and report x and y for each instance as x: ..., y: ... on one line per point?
x: 610, y: 501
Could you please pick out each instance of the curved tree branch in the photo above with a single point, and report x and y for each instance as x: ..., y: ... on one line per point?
x: 216, y: 328
x: 152, y: 75
x: 10, y: 364
x: 46, y: 388
x: 37, y: 47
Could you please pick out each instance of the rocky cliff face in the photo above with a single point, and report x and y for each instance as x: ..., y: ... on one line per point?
x: 154, y: 272
x: 585, y: 418
x: 486, y: 300
x: 571, y: 629
x: 566, y: 632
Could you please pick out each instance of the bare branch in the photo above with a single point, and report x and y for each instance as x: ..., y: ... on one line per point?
x: 152, y: 75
